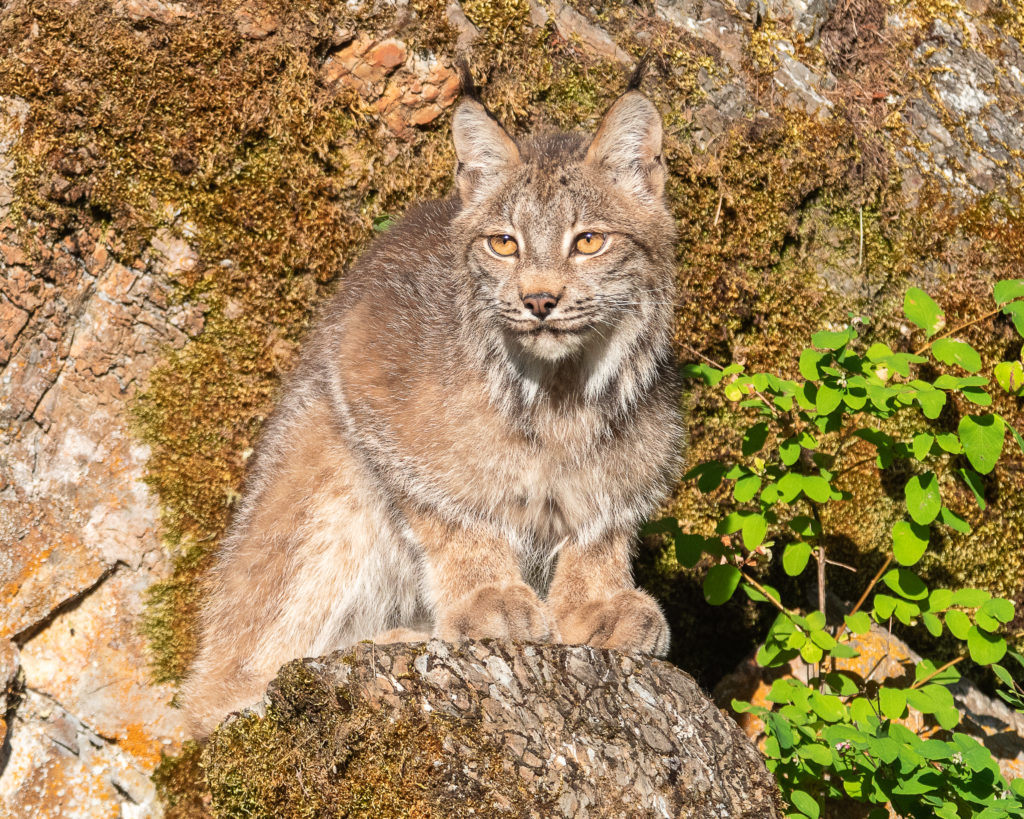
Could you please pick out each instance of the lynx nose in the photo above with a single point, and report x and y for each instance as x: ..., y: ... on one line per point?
x: 540, y: 304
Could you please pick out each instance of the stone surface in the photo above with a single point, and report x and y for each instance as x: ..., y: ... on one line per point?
x: 491, y: 729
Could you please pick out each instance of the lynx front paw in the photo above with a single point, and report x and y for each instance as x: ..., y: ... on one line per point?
x: 629, y: 620
x: 511, y: 611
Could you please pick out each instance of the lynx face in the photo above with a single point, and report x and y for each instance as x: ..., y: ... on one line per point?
x: 568, y: 243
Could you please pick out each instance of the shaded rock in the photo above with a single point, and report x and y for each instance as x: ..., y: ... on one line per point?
x: 487, y: 729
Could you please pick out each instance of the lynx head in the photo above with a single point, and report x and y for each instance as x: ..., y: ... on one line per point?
x: 567, y: 238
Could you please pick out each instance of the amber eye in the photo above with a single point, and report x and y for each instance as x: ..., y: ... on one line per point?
x: 589, y: 243
x: 503, y: 245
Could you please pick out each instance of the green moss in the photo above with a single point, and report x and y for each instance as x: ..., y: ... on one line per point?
x: 317, y: 753
x: 181, y: 784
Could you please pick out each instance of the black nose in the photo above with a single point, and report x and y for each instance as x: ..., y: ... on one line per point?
x: 540, y: 304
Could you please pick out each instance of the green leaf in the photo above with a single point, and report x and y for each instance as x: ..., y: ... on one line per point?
x: 720, y: 583
x: 931, y: 403
x: 1008, y: 290
x: 884, y: 605
x: 909, y: 541
x: 892, y: 701
x: 754, y: 438
x: 790, y: 485
x: 383, y: 222
x: 690, y: 549
x: 973, y: 481
x: 984, y: 648
x: 859, y: 623
x: 827, y: 399
x: 982, y: 437
x: 828, y: 340
x: 950, y: 442
x: 958, y: 623
x: 815, y: 753
x: 759, y: 597
x: 709, y: 475
x: 923, y: 498
x: 971, y: 598
x: 954, y: 521
x: 789, y: 451
x: 905, y: 583
x: 827, y: 706
x: 794, y: 559
x: 921, y: 309
x: 746, y: 488
x: 1010, y: 376
x: 922, y: 445
x: 811, y: 653
x: 754, y: 529
x: 805, y: 803
x: 940, y: 600
x: 932, y: 623
x: 816, y: 488
x: 1000, y: 609
x: 705, y: 372
x: 810, y: 361
x: 1015, y: 310
x: 957, y: 352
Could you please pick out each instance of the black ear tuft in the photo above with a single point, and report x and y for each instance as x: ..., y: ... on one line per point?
x: 639, y: 73
x: 467, y: 86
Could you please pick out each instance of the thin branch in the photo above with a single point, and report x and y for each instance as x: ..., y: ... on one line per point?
x: 766, y: 593
x: 864, y: 596
x: 963, y: 326
x: 846, y: 566
x: 936, y: 672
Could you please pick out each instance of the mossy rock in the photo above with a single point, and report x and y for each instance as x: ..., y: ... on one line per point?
x: 485, y: 729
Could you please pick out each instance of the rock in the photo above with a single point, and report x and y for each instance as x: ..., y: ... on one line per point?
x: 487, y: 729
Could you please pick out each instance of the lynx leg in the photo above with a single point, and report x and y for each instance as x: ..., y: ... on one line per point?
x: 476, y: 588
x: 594, y: 601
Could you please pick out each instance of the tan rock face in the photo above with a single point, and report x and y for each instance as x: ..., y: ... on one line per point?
x: 402, y: 92
x: 78, y: 544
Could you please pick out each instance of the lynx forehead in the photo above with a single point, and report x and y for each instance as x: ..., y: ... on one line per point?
x: 480, y: 419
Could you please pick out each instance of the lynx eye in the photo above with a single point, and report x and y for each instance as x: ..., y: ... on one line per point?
x: 589, y: 243
x: 503, y: 245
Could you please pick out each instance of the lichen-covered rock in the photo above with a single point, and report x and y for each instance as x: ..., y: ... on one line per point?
x: 486, y: 729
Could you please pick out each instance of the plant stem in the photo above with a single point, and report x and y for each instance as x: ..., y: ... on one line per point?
x: 936, y: 672
x: 864, y: 596
x: 963, y: 326
x: 766, y: 593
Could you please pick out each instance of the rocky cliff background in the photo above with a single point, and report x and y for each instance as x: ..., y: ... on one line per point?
x: 181, y: 182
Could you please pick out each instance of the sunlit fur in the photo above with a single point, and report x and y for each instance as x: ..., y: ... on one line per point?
x: 443, y: 461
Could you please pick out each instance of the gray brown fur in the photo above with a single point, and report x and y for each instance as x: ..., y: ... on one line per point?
x: 442, y: 461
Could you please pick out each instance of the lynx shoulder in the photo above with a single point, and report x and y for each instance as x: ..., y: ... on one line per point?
x: 480, y: 419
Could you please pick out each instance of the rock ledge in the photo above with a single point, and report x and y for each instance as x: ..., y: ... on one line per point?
x: 486, y: 729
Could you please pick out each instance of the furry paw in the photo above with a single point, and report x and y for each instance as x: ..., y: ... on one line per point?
x: 511, y: 611
x: 629, y: 620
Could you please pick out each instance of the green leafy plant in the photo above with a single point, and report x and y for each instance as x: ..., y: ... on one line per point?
x: 838, y: 736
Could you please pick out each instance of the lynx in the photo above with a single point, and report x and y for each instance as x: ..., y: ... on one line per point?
x: 476, y: 426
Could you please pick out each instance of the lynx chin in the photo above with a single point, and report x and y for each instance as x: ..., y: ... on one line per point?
x: 476, y: 426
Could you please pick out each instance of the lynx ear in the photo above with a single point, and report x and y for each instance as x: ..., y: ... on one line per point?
x: 483, y: 148
x: 629, y: 144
